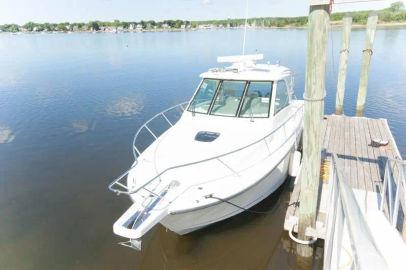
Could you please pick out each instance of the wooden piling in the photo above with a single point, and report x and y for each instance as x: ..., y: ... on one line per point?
x: 319, y: 20
x: 342, y: 72
x: 366, y: 60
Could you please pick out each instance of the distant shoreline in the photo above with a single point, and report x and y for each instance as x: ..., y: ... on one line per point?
x: 334, y: 24
x: 380, y: 24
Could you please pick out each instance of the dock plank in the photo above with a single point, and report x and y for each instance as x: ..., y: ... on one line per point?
x: 344, y: 154
x: 353, y: 155
x: 358, y: 154
x: 363, y: 160
x: 374, y: 169
x: 380, y: 154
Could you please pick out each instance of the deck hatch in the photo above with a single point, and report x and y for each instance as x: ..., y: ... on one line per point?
x: 206, y: 136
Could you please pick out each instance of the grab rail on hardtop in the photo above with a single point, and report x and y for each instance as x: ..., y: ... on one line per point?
x: 125, y: 190
x: 393, y: 193
x: 344, y: 209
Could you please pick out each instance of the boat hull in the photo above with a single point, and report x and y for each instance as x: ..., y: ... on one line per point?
x: 186, y: 222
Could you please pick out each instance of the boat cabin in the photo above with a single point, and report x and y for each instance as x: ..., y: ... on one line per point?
x: 244, y: 90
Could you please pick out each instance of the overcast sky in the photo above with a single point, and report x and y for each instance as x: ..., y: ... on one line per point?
x: 22, y: 11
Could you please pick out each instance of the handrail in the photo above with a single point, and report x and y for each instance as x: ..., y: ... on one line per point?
x: 116, y: 182
x: 129, y: 192
x: 393, y: 178
x: 344, y: 208
x: 145, y: 125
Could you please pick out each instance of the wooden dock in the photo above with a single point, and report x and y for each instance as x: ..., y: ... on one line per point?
x: 364, y: 164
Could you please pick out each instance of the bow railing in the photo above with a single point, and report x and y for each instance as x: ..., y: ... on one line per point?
x: 117, y: 184
x: 163, y: 116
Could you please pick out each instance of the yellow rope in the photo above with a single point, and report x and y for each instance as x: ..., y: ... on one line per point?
x: 325, y: 171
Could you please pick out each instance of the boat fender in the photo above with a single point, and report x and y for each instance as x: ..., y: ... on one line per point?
x: 294, y: 163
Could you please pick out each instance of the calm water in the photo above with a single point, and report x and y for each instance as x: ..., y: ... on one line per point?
x: 70, y: 105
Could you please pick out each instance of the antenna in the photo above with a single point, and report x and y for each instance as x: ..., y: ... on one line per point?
x: 245, y: 26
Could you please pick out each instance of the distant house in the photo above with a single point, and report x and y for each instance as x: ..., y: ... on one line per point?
x: 165, y: 26
x: 183, y: 26
x: 139, y: 27
x: 206, y: 26
x: 131, y: 27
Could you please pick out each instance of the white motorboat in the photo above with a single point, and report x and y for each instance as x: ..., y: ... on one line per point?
x: 229, y: 148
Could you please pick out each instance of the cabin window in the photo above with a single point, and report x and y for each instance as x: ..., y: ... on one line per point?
x: 203, y: 97
x: 228, y: 98
x: 281, y: 96
x: 257, y: 99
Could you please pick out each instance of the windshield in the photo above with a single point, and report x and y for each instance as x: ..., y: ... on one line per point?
x: 228, y: 98
x: 257, y: 100
x: 232, y: 98
x: 203, y: 97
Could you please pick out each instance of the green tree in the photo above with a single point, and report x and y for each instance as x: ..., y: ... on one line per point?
x: 10, y: 28
x: 177, y: 23
x: 62, y: 26
x: 30, y: 26
x: 116, y: 24
x: 94, y: 26
x: 48, y: 27
x: 151, y: 23
x: 397, y: 6
x: 143, y: 24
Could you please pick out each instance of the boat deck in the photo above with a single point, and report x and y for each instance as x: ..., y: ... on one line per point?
x: 364, y: 164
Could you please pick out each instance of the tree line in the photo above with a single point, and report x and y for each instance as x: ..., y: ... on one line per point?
x: 395, y: 13
x: 91, y: 26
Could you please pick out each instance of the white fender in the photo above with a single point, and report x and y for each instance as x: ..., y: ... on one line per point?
x: 294, y: 163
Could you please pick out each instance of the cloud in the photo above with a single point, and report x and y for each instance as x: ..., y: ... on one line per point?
x: 206, y: 2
